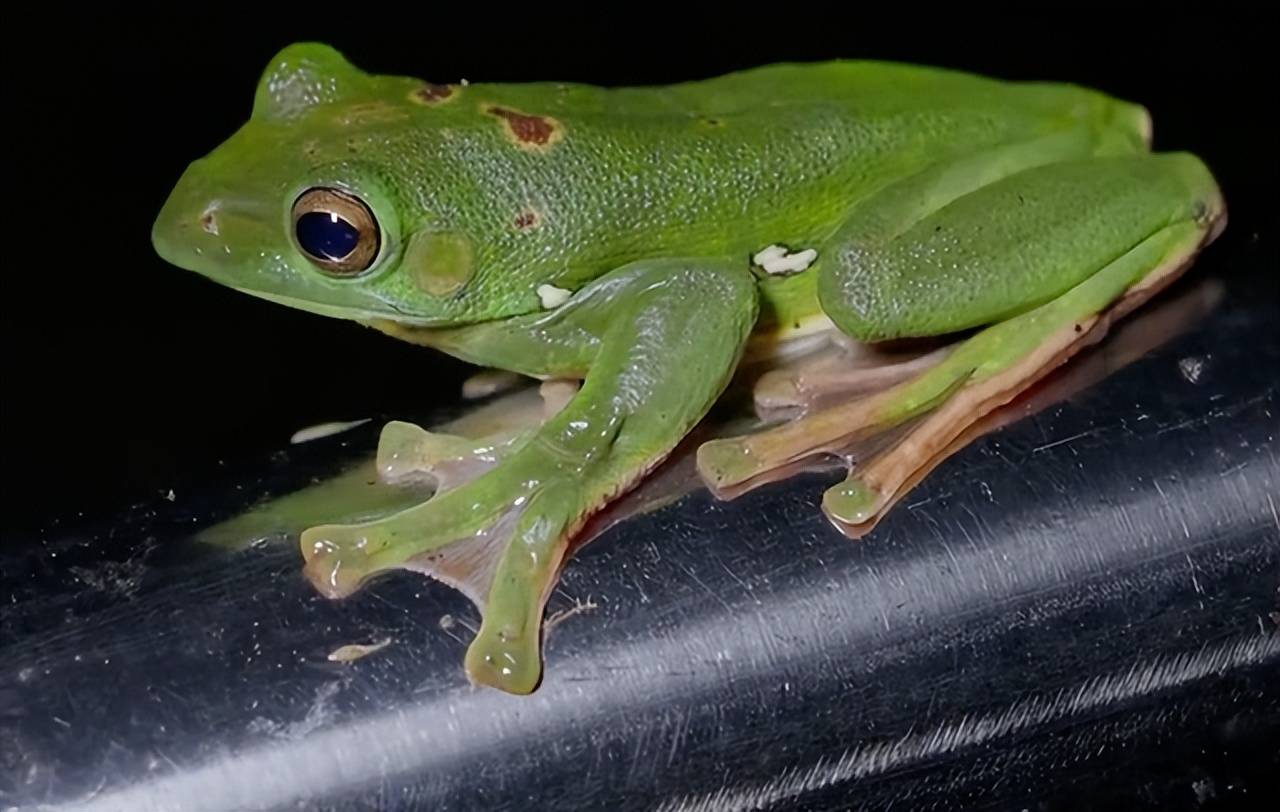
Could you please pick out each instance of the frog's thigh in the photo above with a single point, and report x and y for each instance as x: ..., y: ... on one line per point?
x: 1038, y: 256
x: 1004, y: 247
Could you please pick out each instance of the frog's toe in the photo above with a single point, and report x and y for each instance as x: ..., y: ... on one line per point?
x: 337, y: 558
x: 509, y: 660
x: 779, y: 390
x: 488, y: 382
x: 852, y: 502
x: 409, y: 453
x: 726, y: 462
x: 441, y: 537
x: 499, y: 540
x: 406, y: 451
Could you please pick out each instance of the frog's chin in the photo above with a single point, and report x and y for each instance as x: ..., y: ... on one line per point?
x: 357, y: 314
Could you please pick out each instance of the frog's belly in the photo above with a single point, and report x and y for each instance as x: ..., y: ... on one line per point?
x: 791, y: 322
x: 790, y: 341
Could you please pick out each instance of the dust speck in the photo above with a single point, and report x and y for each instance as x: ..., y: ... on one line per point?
x: 1204, y: 790
x: 1192, y: 368
x: 579, y: 607
x: 316, y: 432
x: 355, y: 651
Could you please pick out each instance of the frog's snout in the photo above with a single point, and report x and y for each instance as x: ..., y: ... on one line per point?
x: 204, y: 229
x: 233, y: 230
x: 167, y: 232
x: 187, y: 225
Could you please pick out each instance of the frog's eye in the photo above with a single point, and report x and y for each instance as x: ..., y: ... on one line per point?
x: 336, y: 231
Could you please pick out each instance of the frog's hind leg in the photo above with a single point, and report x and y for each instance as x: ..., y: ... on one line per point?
x: 1063, y: 327
x: 1083, y: 243
x: 838, y: 374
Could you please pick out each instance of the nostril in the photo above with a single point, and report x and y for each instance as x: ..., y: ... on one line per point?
x: 209, y: 220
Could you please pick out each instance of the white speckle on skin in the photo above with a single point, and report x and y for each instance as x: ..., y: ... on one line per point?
x: 552, y: 296
x: 778, y: 259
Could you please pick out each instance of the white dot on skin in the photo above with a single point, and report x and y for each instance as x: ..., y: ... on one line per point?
x: 552, y: 296
x: 776, y: 259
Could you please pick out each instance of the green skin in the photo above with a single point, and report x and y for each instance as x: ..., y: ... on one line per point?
x: 936, y: 201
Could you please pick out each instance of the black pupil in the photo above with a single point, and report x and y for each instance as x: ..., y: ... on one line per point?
x: 325, y: 235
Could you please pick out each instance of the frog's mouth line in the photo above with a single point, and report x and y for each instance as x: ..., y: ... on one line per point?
x: 344, y: 312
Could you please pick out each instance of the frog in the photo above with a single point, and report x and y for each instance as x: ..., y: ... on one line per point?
x: 643, y: 242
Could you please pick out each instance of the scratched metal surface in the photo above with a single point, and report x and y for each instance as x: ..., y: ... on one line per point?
x: 1076, y: 610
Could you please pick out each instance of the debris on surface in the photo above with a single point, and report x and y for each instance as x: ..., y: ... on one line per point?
x: 561, y: 615
x: 320, y: 430
x: 355, y: 651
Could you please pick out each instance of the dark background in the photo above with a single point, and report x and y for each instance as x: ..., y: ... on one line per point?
x: 124, y: 377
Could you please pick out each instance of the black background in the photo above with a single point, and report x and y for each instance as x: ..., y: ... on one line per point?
x: 125, y: 377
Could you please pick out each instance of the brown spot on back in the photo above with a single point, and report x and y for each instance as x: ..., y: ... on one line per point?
x: 526, y: 220
x: 432, y: 93
x: 527, y: 131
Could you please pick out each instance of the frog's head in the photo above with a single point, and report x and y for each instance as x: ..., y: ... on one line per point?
x: 307, y: 204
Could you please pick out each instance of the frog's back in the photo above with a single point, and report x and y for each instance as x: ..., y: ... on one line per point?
x: 859, y: 84
x: 850, y: 81
x: 723, y: 166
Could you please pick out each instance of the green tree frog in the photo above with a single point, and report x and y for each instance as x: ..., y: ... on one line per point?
x: 643, y: 240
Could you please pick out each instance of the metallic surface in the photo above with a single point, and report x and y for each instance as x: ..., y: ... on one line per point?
x: 1059, y: 609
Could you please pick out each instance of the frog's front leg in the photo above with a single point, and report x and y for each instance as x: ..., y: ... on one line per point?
x: 659, y: 340
x: 1043, y: 257
x: 409, y: 453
